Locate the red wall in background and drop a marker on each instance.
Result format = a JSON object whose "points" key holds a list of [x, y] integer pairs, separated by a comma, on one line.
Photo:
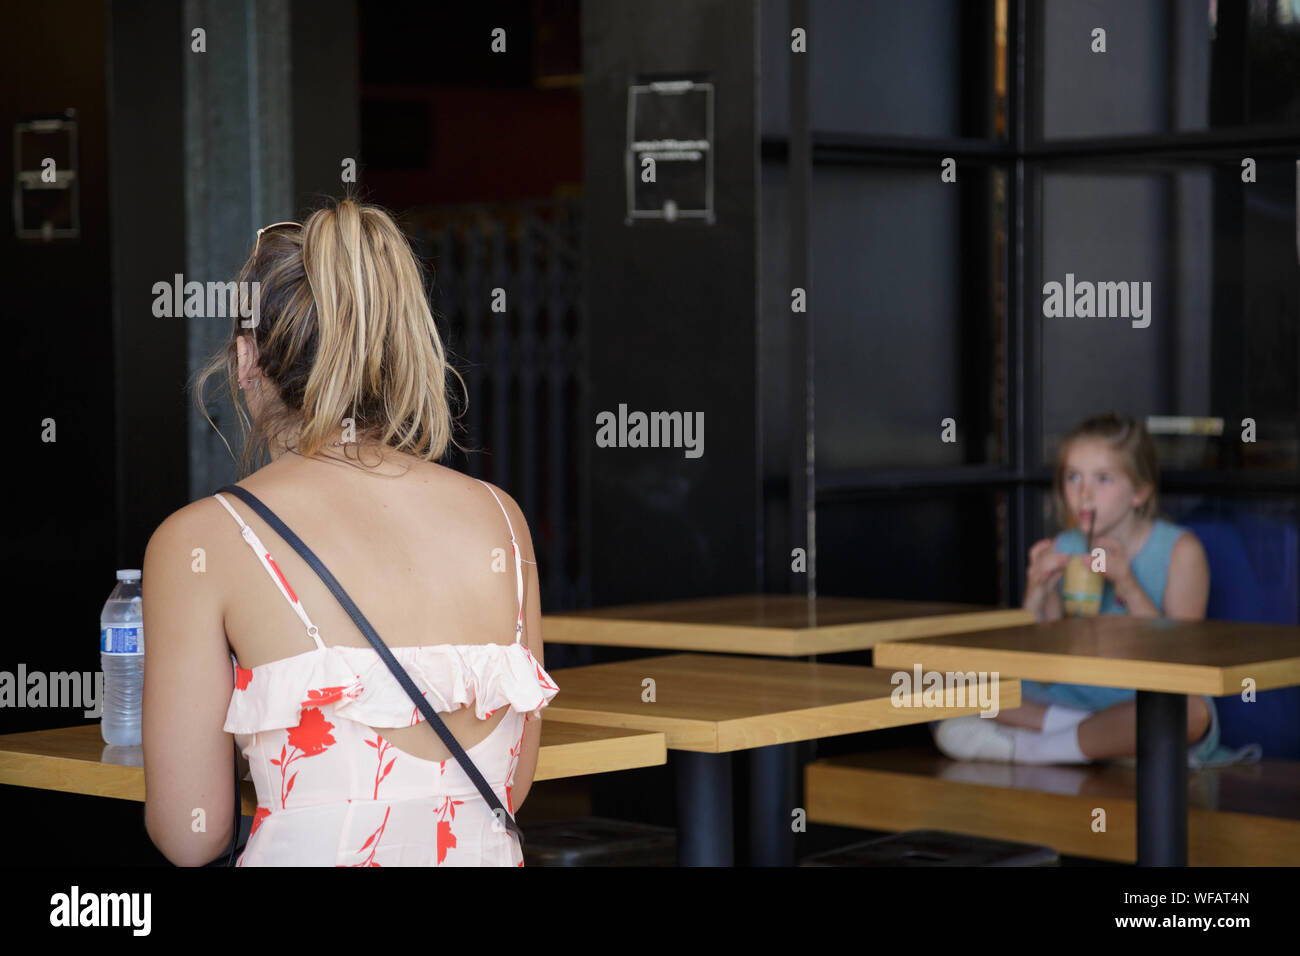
{"points": [[484, 145]]}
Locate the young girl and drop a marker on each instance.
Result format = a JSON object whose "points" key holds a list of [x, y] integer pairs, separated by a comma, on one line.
{"points": [[1105, 473]]}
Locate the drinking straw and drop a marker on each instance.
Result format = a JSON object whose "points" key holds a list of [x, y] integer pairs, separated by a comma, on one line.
{"points": [[1092, 523]]}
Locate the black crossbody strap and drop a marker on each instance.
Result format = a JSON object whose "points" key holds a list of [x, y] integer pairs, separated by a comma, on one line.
{"points": [[267, 515]]}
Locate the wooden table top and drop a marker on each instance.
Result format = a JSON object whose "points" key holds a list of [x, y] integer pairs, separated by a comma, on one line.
{"points": [[1116, 650], [780, 625], [71, 759], [715, 704]]}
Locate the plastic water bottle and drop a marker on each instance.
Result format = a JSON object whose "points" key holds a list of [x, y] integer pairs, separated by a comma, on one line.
{"points": [[121, 654]]}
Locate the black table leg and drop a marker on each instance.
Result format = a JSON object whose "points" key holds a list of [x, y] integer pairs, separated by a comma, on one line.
{"points": [[704, 818], [771, 801], [1161, 779]]}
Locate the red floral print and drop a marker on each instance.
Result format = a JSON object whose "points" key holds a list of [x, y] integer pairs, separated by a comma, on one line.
{"points": [[374, 839], [242, 677], [309, 738], [330, 695], [283, 764], [515, 751], [541, 674], [312, 735], [380, 744], [415, 711], [446, 839], [258, 816]]}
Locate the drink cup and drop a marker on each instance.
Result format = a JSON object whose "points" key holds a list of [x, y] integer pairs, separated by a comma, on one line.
{"points": [[1081, 589]]}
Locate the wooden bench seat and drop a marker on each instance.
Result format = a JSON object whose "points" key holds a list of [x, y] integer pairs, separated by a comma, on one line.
{"points": [[1246, 815]]}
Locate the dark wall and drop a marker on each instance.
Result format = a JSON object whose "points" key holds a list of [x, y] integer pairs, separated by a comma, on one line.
{"points": [[89, 352], [145, 88], [901, 304], [61, 533], [446, 120], [672, 312], [56, 312], [326, 118]]}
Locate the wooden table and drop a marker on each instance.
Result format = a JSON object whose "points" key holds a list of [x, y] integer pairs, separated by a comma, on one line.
{"points": [[1162, 659], [708, 706], [777, 625], [72, 759], [780, 625]]}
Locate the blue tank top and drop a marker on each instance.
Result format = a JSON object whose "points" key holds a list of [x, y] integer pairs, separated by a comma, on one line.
{"points": [[1150, 565], [1151, 568]]}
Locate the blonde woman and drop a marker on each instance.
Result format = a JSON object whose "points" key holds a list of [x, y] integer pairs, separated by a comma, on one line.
{"points": [[344, 379]]}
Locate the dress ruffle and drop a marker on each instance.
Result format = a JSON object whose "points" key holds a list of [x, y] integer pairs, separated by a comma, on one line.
{"points": [[362, 689]]}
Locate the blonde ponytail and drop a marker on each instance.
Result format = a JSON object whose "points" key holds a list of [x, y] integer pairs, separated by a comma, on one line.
{"points": [[345, 332]]}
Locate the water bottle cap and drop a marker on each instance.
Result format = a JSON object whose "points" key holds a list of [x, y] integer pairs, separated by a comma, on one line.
{"points": [[129, 574]]}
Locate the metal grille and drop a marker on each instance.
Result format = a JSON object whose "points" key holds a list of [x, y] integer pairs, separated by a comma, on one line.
{"points": [[506, 288]]}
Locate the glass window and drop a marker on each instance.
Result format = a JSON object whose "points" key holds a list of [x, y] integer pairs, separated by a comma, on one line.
{"points": [[884, 68], [916, 547], [1213, 287], [907, 330], [1181, 66]]}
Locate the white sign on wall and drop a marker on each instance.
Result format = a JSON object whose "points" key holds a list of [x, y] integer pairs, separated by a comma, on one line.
{"points": [[669, 156]]}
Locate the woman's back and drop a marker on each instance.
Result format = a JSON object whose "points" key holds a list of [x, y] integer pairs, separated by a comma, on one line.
{"points": [[426, 555], [343, 347]]}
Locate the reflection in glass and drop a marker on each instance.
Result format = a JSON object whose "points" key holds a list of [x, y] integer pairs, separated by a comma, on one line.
{"points": [[1184, 66], [1225, 292], [907, 301]]}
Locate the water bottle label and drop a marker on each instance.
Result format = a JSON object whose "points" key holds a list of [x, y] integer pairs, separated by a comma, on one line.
{"points": [[121, 640]]}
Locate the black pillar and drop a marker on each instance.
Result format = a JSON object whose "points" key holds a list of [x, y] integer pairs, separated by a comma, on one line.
{"points": [[672, 310]]}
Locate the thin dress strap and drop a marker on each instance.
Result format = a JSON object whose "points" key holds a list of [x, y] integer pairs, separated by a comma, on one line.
{"points": [[519, 568], [254, 542]]}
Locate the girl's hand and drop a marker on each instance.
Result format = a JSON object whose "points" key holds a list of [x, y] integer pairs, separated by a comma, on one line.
{"points": [[1046, 566]]}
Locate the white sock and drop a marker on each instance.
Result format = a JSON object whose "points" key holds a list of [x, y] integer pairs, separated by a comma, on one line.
{"points": [[1061, 746], [973, 738], [1058, 717]]}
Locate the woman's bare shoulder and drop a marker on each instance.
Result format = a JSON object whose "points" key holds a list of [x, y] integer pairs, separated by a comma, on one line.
{"points": [[518, 521]]}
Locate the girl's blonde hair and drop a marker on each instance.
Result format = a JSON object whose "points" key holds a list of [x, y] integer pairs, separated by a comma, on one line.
{"points": [[344, 332], [1129, 438]]}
